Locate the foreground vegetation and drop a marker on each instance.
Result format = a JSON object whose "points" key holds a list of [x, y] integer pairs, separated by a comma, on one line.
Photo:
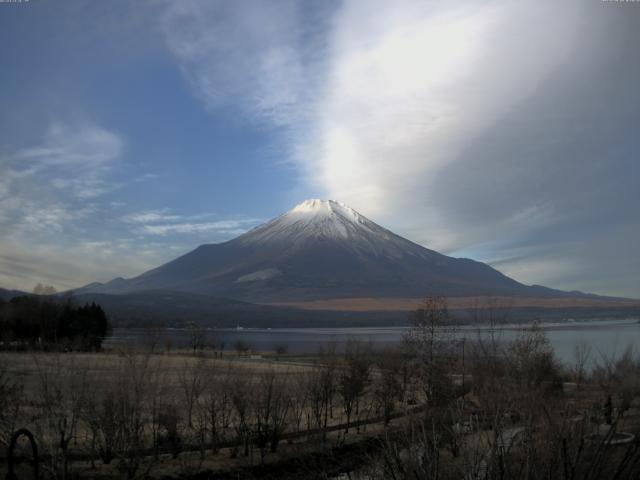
{"points": [[433, 408]]}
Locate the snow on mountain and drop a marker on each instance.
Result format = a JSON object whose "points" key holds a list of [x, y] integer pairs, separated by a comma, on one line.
{"points": [[316, 221], [320, 249], [310, 219]]}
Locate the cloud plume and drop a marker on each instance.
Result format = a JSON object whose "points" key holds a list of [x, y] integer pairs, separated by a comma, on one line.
{"points": [[475, 128]]}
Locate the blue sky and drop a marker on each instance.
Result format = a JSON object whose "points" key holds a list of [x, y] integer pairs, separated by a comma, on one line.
{"points": [[131, 132]]}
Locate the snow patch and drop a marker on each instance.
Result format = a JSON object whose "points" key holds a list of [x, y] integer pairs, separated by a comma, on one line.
{"points": [[259, 275]]}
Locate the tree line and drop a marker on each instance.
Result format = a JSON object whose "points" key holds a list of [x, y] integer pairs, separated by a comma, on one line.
{"points": [[31, 321]]}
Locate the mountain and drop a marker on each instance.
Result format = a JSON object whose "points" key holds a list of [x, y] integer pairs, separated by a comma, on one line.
{"points": [[321, 249], [9, 294]]}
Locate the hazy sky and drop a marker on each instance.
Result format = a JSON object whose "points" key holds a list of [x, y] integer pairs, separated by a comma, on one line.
{"points": [[504, 131]]}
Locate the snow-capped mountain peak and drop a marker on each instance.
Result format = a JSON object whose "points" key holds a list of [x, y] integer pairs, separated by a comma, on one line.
{"points": [[317, 207], [311, 220]]}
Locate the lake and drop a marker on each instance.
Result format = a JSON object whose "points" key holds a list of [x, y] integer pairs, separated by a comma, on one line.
{"points": [[606, 337]]}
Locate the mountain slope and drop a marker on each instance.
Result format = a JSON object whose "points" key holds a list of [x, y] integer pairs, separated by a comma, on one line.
{"points": [[321, 249], [9, 294]]}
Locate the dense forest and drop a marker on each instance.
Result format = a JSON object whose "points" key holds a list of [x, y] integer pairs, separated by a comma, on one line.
{"points": [[29, 321]]}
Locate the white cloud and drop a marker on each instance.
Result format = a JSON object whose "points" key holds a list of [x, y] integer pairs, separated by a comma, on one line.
{"points": [[163, 223], [225, 227], [70, 265], [540, 268], [153, 216], [252, 56], [44, 202], [409, 112], [79, 146], [50, 218], [411, 84], [386, 96], [70, 164]]}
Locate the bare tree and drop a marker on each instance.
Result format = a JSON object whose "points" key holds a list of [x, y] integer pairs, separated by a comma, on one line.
{"points": [[242, 347], [387, 386], [298, 399], [157, 387], [426, 338], [132, 390], [100, 415], [153, 337], [412, 453], [531, 357], [429, 343], [191, 381], [197, 337], [61, 392], [270, 408], [216, 404], [353, 378], [280, 350], [581, 355], [240, 399], [322, 386]]}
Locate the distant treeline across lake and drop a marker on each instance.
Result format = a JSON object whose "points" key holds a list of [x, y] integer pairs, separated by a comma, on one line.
{"points": [[605, 337]]}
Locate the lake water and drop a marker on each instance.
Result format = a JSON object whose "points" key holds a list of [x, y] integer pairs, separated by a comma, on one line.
{"points": [[606, 337]]}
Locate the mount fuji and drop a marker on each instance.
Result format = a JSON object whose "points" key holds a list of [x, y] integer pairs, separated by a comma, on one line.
{"points": [[321, 250]]}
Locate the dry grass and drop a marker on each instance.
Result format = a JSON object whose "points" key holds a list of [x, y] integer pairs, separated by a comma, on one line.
{"points": [[90, 375], [166, 382], [410, 304]]}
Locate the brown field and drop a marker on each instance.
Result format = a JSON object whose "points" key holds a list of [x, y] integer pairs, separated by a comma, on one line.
{"points": [[73, 386], [185, 414], [409, 304]]}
